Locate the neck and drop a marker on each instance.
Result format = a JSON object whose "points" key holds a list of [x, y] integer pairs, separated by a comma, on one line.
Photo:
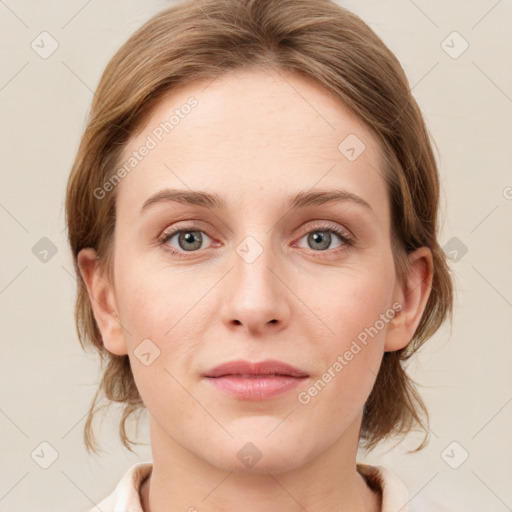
{"points": [[181, 481]]}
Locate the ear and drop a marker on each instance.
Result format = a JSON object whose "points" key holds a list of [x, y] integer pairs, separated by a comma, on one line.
{"points": [[101, 296], [412, 295]]}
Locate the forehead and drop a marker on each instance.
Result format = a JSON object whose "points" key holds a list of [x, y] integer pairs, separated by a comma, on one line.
{"points": [[252, 130]]}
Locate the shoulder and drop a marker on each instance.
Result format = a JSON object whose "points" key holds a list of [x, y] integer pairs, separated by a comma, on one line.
{"points": [[125, 497]]}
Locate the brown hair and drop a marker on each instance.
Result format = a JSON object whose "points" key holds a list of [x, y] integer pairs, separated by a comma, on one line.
{"points": [[201, 39]]}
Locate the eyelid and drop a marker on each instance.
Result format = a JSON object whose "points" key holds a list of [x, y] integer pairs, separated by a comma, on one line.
{"points": [[326, 225]]}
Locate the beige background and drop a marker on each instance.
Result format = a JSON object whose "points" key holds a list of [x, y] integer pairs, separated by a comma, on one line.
{"points": [[47, 381]]}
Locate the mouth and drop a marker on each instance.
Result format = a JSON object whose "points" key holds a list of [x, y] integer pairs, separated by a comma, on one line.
{"points": [[247, 369], [255, 381], [251, 376]]}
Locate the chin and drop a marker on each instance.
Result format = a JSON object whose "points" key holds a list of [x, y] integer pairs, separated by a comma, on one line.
{"points": [[259, 455]]}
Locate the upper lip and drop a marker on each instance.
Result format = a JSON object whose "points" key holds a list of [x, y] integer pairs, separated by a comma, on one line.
{"points": [[268, 367]]}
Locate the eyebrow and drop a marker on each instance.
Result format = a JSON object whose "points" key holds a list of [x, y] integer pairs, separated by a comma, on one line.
{"points": [[214, 201]]}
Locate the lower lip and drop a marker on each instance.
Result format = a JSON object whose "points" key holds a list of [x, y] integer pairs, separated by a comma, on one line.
{"points": [[255, 388]]}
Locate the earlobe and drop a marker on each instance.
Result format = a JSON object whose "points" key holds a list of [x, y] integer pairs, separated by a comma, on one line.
{"points": [[412, 295], [101, 297]]}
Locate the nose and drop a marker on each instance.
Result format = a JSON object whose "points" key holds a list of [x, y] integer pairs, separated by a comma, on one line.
{"points": [[256, 296]]}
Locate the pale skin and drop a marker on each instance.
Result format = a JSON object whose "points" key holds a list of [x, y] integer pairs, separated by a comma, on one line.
{"points": [[254, 140]]}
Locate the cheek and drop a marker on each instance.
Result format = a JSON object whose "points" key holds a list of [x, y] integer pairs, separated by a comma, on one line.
{"points": [[357, 308], [357, 299], [350, 358], [148, 304], [159, 318], [160, 344]]}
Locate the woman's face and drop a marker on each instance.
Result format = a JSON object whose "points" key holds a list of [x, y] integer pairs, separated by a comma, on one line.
{"points": [[268, 270]]}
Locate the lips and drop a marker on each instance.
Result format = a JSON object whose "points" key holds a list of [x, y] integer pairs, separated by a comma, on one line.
{"points": [[268, 368], [246, 381]]}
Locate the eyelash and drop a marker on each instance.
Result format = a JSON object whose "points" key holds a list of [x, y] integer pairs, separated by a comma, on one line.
{"points": [[347, 240]]}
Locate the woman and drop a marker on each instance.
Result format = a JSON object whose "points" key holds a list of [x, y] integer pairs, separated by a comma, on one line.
{"points": [[252, 214]]}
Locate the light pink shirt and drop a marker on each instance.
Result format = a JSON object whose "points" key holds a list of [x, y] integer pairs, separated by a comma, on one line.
{"points": [[126, 497]]}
